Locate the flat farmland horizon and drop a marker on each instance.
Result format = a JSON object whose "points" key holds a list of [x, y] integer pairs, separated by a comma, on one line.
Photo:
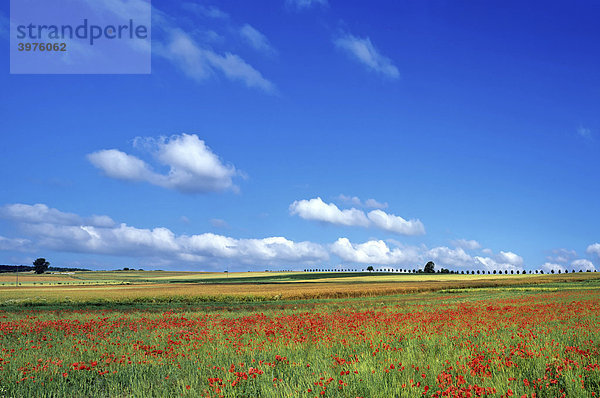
{"points": [[148, 286]]}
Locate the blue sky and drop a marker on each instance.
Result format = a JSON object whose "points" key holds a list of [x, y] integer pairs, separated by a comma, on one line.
{"points": [[265, 128]]}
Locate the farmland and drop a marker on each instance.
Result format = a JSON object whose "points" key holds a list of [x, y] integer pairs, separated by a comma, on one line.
{"points": [[158, 286], [300, 335]]}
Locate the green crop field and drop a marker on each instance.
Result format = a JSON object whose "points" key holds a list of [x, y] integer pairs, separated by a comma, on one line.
{"points": [[139, 334], [532, 337]]}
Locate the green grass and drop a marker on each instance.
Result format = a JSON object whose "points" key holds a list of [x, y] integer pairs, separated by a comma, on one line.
{"points": [[494, 338]]}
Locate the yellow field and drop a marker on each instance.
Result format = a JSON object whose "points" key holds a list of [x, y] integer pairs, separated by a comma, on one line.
{"points": [[30, 277], [122, 286]]}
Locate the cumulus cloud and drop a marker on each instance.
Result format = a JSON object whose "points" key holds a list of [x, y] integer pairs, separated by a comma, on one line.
{"points": [[317, 210], [549, 267], [377, 252], [355, 201], [583, 264], [491, 264], [373, 252], [304, 4], [395, 224], [450, 257], [74, 234], [363, 51], [256, 39], [593, 249], [466, 244], [510, 258], [193, 167], [117, 164]]}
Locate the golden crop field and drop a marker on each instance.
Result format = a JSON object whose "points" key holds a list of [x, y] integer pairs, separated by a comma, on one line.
{"points": [[122, 286]]}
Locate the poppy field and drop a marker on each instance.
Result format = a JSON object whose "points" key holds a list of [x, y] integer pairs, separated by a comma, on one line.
{"points": [[480, 343]]}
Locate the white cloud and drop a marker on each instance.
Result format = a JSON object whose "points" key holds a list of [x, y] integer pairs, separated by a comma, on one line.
{"points": [[593, 249], [193, 167], [378, 252], [395, 224], [317, 210], [548, 267], [200, 63], [491, 264], [37, 213], [583, 264], [466, 244], [373, 204], [374, 252], [363, 51], [305, 4], [40, 213], [445, 257], [257, 40], [207, 11], [355, 201], [117, 164], [235, 68], [562, 256], [14, 244], [510, 258], [123, 240]]}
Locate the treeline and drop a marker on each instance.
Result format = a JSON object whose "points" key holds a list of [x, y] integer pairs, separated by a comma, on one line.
{"points": [[446, 271], [25, 268]]}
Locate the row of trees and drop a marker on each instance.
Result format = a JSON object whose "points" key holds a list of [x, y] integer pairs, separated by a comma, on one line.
{"points": [[430, 269]]}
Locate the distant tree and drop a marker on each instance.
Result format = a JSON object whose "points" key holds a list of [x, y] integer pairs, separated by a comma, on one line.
{"points": [[370, 268], [541, 271], [41, 265], [429, 267], [494, 272], [477, 272], [552, 271]]}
